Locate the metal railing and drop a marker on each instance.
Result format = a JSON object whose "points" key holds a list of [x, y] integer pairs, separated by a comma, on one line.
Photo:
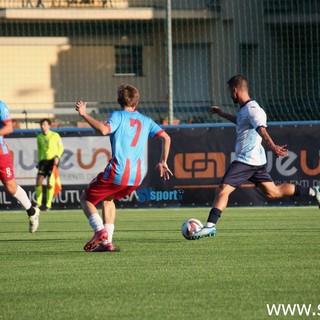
{"points": [[214, 5]]}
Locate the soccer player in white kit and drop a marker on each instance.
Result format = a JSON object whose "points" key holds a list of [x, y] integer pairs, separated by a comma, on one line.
{"points": [[250, 161]]}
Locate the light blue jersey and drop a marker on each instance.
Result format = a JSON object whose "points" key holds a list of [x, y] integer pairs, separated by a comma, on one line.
{"points": [[129, 134], [248, 148], [4, 117]]}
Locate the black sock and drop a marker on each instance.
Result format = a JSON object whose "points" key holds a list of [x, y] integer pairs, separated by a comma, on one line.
{"points": [[214, 215], [31, 211], [301, 191]]}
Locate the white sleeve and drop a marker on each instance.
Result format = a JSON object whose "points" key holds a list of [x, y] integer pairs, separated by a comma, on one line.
{"points": [[258, 117]]}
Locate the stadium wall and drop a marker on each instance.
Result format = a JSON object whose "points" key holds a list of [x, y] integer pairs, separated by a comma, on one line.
{"points": [[199, 157]]}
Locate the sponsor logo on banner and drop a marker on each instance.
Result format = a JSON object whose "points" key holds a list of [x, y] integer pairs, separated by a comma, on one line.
{"points": [[199, 165], [150, 195], [309, 171]]}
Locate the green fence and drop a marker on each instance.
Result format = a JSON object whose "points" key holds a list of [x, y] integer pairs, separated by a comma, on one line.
{"points": [[54, 53]]}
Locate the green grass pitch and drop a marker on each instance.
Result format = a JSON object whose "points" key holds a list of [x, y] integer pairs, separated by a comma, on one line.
{"points": [[260, 256]]}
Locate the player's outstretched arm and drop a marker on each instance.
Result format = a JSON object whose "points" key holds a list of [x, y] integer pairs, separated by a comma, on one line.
{"points": [[162, 166], [81, 107], [217, 110], [280, 151]]}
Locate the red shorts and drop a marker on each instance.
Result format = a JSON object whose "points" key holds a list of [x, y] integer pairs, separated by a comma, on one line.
{"points": [[100, 189], [6, 168]]}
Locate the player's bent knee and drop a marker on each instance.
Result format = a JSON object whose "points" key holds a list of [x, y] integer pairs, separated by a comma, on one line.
{"points": [[224, 190]]}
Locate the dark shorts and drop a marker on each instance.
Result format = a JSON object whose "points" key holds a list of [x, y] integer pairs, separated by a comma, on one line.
{"points": [[239, 172], [100, 189], [45, 167]]}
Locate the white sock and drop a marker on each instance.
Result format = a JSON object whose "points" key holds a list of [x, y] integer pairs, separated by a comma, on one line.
{"points": [[110, 229], [22, 197], [96, 222], [210, 224], [312, 193]]}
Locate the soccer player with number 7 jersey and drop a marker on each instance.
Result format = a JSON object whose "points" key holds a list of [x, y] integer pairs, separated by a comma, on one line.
{"points": [[129, 131]]}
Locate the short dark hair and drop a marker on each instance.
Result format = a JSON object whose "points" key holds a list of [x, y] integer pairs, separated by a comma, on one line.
{"points": [[45, 120], [128, 95], [238, 81]]}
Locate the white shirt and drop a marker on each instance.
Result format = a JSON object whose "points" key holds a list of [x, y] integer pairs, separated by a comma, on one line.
{"points": [[248, 148]]}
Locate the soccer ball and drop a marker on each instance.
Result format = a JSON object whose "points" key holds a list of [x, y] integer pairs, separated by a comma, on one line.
{"points": [[190, 226]]}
